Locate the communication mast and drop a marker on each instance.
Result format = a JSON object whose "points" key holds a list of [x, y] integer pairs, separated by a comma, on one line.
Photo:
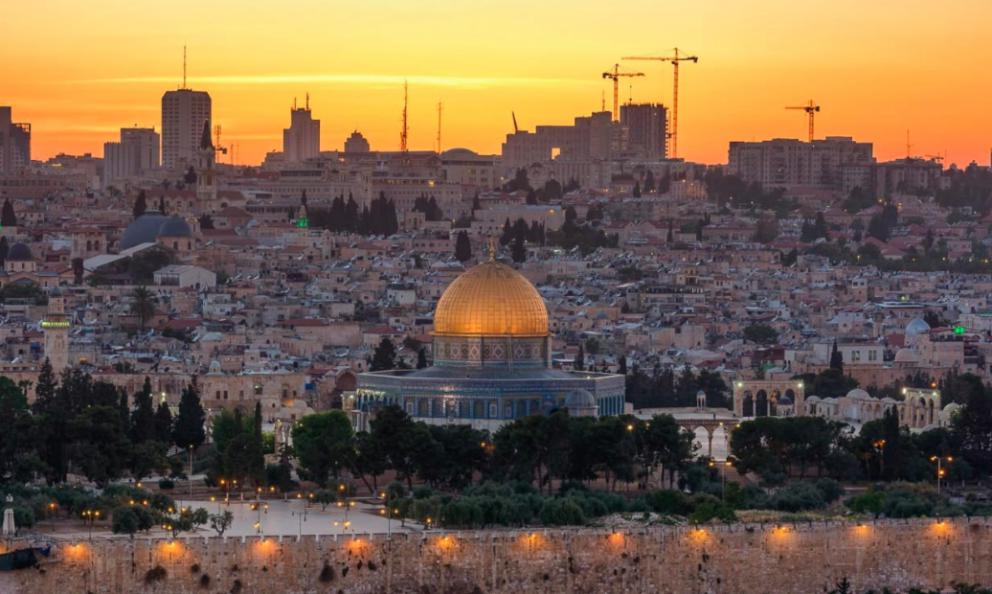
{"points": [[403, 132], [439, 109]]}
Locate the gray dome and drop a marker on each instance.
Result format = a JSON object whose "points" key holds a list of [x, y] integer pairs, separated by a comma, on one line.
{"points": [[143, 229], [152, 225], [175, 227], [917, 327], [580, 399], [19, 252]]}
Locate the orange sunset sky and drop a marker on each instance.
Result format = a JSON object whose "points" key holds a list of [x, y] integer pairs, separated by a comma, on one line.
{"points": [[79, 70]]}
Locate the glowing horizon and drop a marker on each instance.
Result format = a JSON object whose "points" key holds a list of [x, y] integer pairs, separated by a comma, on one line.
{"points": [[79, 74]]}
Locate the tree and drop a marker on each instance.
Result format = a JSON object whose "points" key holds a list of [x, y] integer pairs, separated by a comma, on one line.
{"points": [[636, 192], [580, 359], [4, 248], [7, 216], [188, 431], [220, 522], [422, 358], [384, 357], [142, 305], [395, 433], [836, 358], [973, 426], [163, 423], [143, 415], [140, 204], [463, 247], [125, 521], [766, 230], [761, 334], [323, 444], [19, 458], [518, 251]]}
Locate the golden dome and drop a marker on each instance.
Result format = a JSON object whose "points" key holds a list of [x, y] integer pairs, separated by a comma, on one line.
{"points": [[491, 299]]}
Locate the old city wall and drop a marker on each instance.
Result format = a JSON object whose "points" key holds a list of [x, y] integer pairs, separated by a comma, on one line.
{"points": [[791, 558]]}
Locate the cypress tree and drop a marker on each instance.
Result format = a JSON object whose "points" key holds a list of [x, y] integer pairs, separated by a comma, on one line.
{"points": [[140, 204], [143, 416], [188, 430], [7, 216], [463, 247]]}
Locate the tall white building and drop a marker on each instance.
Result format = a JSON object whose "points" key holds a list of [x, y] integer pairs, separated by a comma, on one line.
{"points": [[136, 153], [15, 142], [301, 141], [183, 113]]}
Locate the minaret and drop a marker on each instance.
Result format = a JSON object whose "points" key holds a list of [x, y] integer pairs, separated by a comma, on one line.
{"points": [[56, 328], [206, 189]]}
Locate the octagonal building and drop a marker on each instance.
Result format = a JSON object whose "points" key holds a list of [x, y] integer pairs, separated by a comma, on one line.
{"points": [[492, 362]]}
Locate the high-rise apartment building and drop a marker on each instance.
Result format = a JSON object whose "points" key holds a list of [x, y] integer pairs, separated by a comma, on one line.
{"points": [[835, 162], [647, 129], [301, 141], [15, 142], [135, 154], [183, 114]]}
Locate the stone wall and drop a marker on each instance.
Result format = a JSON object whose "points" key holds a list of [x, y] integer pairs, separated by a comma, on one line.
{"points": [[739, 559]]}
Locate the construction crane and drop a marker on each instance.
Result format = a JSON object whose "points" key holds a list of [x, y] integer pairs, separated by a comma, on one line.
{"points": [[217, 145], [403, 132], [811, 108], [675, 59], [615, 76]]}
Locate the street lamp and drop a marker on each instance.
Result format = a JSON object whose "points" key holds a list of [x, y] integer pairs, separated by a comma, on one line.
{"points": [[879, 445], [723, 475], [941, 471]]}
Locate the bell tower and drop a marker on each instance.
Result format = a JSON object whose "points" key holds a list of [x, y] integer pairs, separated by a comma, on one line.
{"points": [[56, 327], [206, 188]]}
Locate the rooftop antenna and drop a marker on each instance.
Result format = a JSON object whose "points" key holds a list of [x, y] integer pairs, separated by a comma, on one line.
{"points": [[403, 132], [439, 108], [184, 66], [308, 100], [294, 103], [602, 101], [909, 146]]}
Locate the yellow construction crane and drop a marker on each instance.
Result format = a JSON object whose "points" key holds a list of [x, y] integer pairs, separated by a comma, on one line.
{"points": [[811, 108], [615, 76], [217, 146], [675, 59]]}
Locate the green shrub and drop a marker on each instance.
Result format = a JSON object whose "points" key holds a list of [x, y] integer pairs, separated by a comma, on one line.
{"points": [[669, 501], [562, 512]]}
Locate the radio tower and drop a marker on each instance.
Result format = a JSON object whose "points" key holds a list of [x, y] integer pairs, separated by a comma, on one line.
{"points": [[403, 132], [439, 108]]}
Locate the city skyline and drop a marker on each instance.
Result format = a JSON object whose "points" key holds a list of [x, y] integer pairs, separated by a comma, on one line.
{"points": [[898, 68]]}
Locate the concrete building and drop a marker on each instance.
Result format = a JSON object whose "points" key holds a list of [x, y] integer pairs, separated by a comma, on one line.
{"points": [[301, 141], [183, 113], [836, 162], [15, 142], [184, 275], [135, 154], [591, 137], [356, 144], [647, 129]]}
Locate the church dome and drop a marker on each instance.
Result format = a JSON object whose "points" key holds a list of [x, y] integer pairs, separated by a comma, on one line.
{"points": [[175, 227], [491, 299], [152, 225], [19, 252], [916, 327], [143, 229]]}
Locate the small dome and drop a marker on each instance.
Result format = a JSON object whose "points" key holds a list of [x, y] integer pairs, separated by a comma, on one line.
{"points": [[175, 227], [580, 399], [916, 327], [784, 400], [491, 299], [19, 252], [858, 394]]}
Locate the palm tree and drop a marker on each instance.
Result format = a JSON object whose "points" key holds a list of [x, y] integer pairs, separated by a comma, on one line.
{"points": [[143, 305]]}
